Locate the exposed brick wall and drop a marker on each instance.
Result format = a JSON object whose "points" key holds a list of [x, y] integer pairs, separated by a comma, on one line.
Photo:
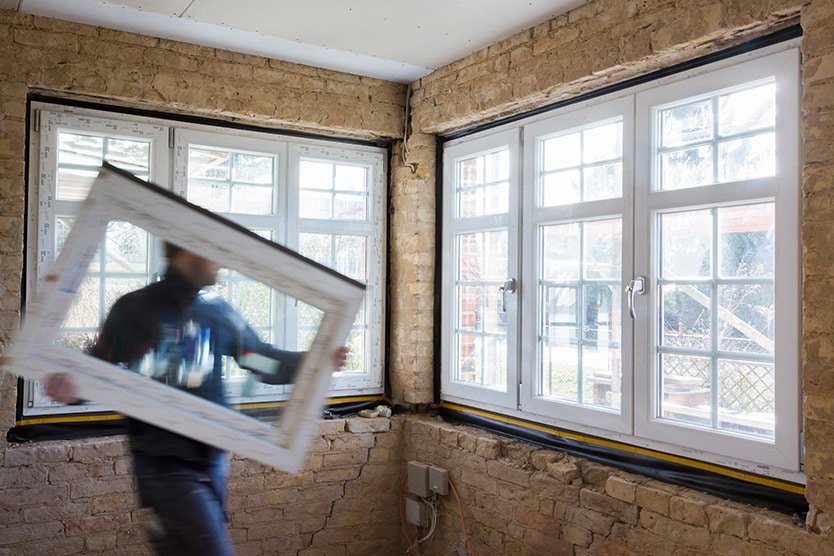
{"points": [[72, 497], [64, 497], [411, 253], [520, 499], [599, 43], [818, 250]]}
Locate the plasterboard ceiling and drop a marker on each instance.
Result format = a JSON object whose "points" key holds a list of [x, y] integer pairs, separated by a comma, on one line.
{"points": [[397, 40]]}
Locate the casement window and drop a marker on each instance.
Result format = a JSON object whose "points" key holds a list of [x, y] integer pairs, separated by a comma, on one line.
{"points": [[628, 266], [324, 199]]}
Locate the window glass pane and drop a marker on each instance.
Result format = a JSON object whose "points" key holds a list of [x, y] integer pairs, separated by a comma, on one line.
{"points": [[497, 166], [80, 149], [133, 156], [213, 196], [748, 158], [356, 358], [250, 168], [80, 155], [252, 199], [351, 256], [254, 301], [482, 186], [747, 110], [686, 244], [222, 180], [561, 188], [471, 202], [581, 323], [315, 175], [603, 249], [746, 318], [348, 206], [686, 168], [562, 152], [584, 165], [85, 309], [560, 252], [686, 315], [603, 182], [316, 247], [558, 346], [315, 204], [685, 383], [481, 324], [746, 397], [689, 123], [747, 240], [351, 178], [208, 164], [603, 142], [601, 355], [126, 249], [496, 198]]}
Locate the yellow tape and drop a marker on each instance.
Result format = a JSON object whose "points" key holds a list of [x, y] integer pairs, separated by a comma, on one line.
{"points": [[115, 417], [704, 466]]}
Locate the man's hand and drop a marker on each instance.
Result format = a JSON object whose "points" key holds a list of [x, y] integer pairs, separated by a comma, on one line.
{"points": [[61, 388], [340, 357]]}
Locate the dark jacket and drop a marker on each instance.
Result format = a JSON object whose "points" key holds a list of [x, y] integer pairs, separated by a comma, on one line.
{"points": [[141, 319]]}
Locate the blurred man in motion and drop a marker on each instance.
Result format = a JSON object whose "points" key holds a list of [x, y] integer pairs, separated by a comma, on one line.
{"points": [[174, 333]]}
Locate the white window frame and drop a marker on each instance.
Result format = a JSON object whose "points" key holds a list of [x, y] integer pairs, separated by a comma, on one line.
{"points": [[452, 227], [44, 206], [780, 459], [535, 216], [783, 188], [169, 169], [372, 228]]}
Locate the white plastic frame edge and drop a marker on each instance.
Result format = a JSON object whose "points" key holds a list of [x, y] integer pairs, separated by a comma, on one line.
{"points": [[117, 195]]}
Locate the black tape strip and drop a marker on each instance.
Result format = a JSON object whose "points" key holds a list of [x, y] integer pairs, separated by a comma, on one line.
{"points": [[666, 471]]}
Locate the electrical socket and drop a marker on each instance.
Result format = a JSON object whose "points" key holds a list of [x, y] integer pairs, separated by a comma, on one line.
{"points": [[416, 511], [418, 478], [439, 480]]}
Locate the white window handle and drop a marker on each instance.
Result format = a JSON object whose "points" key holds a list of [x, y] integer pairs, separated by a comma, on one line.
{"points": [[635, 287], [507, 287]]}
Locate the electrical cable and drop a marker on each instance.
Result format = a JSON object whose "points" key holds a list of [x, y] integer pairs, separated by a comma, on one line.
{"points": [[462, 522], [402, 512], [404, 150]]}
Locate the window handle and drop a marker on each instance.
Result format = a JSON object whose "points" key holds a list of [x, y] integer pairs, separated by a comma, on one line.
{"points": [[635, 287], [508, 287]]}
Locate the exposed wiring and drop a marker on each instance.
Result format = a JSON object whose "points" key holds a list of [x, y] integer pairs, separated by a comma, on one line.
{"points": [[404, 150], [402, 512], [432, 503], [462, 522]]}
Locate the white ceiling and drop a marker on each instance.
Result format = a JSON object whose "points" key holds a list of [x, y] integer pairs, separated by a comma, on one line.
{"points": [[397, 40]]}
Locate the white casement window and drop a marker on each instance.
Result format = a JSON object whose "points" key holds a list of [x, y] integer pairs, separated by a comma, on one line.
{"points": [[658, 295], [271, 184], [480, 266], [576, 342]]}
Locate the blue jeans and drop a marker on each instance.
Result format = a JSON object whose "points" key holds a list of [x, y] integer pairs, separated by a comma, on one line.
{"points": [[189, 503]]}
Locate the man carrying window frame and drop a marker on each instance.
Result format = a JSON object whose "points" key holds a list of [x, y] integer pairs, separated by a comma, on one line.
{"points": [[172, 332]]}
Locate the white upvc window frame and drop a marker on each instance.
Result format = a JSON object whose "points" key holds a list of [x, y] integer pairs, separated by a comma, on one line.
{"points": [[44, 207], [565, 120], [783, 188], [454, 152], [372, 228], [781, 459], [169, 170]]}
